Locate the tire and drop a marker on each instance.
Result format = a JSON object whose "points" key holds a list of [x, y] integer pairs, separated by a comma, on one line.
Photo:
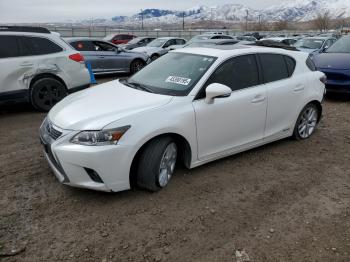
{"points": [[136, 66], [154, 57], [307, 122], [156, 164], [46, 92]]}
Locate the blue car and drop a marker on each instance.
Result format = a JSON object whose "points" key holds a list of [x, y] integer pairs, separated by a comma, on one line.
{"points": [[335, 63]]}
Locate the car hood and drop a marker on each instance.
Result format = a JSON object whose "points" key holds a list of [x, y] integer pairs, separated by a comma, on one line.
{"points": [[96, 107], [338, 61], [147, 49]]}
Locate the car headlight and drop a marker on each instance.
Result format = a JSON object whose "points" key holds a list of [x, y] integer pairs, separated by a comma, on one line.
{"points": [[99, 138]]}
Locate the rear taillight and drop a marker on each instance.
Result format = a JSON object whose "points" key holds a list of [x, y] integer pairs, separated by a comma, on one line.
{"points": [[323, 79], [77, 58]]}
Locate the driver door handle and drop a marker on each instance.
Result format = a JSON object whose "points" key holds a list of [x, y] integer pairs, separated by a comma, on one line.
{"points": [[27, 63], [258, 99], [101, 57]]}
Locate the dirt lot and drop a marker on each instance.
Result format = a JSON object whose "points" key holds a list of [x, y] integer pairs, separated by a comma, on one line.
{"points": [[288, 201]]}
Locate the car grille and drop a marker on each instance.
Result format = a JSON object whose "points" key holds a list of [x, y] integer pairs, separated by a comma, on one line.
{"points": [[53, 133]]}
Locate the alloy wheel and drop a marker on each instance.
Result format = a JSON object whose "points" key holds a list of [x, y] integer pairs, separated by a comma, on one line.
{"points": [[167, 164], [307, 122]]}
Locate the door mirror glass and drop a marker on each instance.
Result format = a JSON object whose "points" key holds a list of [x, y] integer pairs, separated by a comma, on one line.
{"points": [[216, 90]]}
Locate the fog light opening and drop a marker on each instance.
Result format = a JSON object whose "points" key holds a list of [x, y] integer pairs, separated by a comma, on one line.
{"points": [[93, 175]]}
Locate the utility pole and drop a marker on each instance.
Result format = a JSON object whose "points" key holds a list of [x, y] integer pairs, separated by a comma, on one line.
{"points": [[259, 22], [246, 21], [183, 20], [141, 19]]}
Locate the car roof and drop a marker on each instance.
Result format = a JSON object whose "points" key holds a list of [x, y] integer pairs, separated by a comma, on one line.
{"points": [[73, 39], [169, 37], [143, 37], [225, 51], [28, 33], [318, 37]]}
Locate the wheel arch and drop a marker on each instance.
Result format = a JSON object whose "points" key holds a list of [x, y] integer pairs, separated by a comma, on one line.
{"points": [[136, 59], [184, 152], [319, 107], [46, 75]]}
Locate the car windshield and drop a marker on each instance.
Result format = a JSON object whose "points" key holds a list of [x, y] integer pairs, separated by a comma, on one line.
{"points": [[198, 38], [172, 74], [157, 42], [135, 40], [108, 37], [199, 44], [309, 43], [340, 46]]}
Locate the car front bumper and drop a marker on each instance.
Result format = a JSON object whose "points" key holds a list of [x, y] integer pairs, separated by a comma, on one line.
{"points": [[103, 168]]}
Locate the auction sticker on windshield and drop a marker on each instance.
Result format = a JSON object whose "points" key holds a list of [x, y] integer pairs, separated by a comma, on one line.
{"points": [[178, 80]]}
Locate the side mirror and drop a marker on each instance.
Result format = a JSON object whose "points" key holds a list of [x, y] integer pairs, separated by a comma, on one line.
{"points": [[324, 49], [216, 90]]}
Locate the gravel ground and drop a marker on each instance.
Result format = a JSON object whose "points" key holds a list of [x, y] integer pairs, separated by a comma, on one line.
{"points": [[287, 201]]}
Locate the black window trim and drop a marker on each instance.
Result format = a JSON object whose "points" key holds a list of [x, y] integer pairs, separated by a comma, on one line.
{"points": [[49, 39], [106, 43], [262, 69], [260, 75], [19, 51]]}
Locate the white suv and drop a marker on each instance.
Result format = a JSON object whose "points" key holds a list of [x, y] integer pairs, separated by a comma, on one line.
{"points": [[37, 66], [193, 105]]}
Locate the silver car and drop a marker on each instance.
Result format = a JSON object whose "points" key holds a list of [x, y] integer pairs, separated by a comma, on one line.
{"points": [[200, 38], [106, 58], [160, 46], [314, 44]]}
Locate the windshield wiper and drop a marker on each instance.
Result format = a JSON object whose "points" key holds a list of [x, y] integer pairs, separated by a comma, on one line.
{"points": [[137, 86]]}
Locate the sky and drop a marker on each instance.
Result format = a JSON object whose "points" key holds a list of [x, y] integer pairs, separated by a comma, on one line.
{"points": [[26, 11]]}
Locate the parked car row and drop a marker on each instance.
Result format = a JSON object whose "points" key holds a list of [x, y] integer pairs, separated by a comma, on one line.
{"points": [[191, 100], [39, 67]]}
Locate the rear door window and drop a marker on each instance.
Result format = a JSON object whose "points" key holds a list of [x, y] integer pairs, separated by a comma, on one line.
{"points": [[9, 46], [274, 67], [83, 46], [180, 42], [290, 62], [42, 46]]}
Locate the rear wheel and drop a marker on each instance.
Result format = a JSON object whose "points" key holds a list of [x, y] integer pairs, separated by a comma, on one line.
{"points": [[154, 57], [307, 122], [136, 66], [46, 92], [157, 164]]}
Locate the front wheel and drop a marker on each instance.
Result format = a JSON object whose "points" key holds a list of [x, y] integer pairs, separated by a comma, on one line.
{"points": [[154, 57], [46, 92], [157, 164], [136, 66], [307, 122]]}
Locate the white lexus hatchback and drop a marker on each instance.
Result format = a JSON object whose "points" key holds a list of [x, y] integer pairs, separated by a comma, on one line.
{"points": [[192, 105]]}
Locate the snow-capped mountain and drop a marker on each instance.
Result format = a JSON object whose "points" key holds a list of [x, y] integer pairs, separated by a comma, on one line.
{"points": [[305, 10], [292, 10]]}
